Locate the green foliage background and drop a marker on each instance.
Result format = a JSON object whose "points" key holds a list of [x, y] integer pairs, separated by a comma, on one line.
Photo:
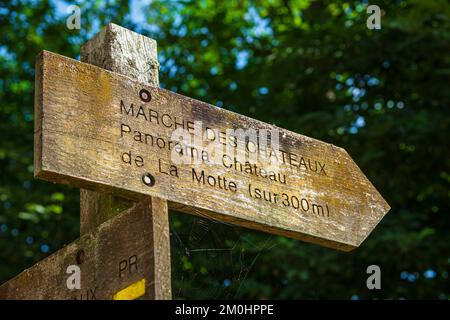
{"points": [[312, 67]]}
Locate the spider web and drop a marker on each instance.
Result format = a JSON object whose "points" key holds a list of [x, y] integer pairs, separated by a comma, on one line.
{"points": [[214, 260]]}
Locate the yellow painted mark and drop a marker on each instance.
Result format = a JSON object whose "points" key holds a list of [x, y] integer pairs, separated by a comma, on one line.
{"points": [[133, 291]]}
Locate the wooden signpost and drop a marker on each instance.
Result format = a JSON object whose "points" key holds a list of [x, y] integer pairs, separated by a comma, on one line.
{"points": [[131, 54], [120, 50], [118, 136], [116, 262]]}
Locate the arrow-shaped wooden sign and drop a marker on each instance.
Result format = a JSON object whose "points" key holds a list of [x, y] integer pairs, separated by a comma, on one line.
{"points": [[100, 130]]}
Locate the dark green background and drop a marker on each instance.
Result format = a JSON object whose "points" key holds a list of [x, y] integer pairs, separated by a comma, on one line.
{"points": [[312, 67]]}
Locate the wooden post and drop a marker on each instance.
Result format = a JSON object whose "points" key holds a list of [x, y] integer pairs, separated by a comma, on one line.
{"points": [[123, 51]]}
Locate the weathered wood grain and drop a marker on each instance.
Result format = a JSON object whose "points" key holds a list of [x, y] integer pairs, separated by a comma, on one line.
{"points": [[125, 52], [97, 207], [116, 255], [82, 138]]}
